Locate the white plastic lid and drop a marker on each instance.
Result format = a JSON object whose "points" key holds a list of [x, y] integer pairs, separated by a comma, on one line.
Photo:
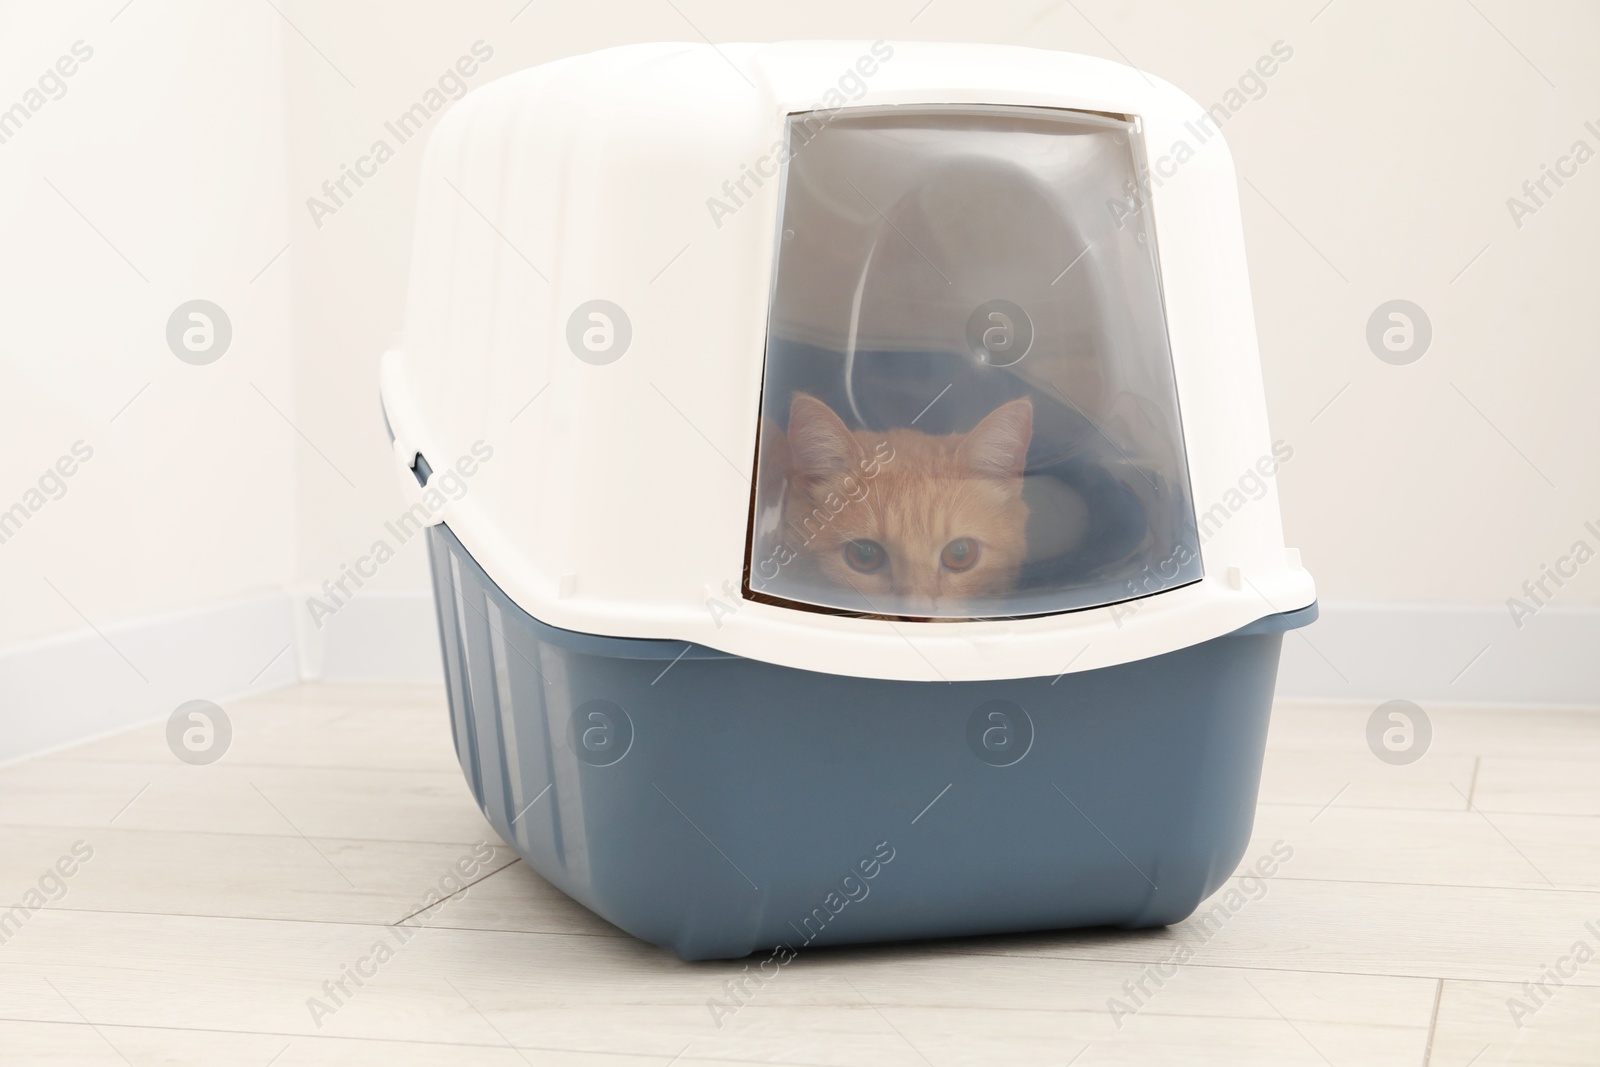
{"points": [[639, 494]]}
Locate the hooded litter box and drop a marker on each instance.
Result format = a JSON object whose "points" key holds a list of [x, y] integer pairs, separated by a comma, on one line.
{"points": [[848, 488]]}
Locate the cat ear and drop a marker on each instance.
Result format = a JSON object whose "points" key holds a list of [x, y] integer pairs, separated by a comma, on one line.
{"points": [[819, 441], [998, 446]]}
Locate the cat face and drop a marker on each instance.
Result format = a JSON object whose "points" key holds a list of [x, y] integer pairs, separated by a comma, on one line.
{"points": [[938, 522]]}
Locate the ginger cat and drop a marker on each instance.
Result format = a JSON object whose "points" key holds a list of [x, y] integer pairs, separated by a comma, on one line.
{"points": [[915, 523]]}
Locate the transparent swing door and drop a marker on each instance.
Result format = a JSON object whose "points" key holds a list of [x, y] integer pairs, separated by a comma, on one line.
{"points": [[968, 407]]}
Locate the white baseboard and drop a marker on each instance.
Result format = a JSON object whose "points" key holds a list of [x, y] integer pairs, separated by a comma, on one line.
{"points": [[70, 688], [379, 636], [1468, 654]]}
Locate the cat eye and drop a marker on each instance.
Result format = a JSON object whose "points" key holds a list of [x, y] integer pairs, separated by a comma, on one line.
{"points": [[864, 556], [959, 554]]}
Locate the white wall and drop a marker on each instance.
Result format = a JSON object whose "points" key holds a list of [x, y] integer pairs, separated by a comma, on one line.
{"points": [[158, 177]]}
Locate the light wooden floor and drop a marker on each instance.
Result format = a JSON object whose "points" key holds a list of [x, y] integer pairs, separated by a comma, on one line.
{"points": [[220, 898]]}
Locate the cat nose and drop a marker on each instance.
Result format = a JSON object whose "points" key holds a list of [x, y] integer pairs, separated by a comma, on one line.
{"points": [[919, 605]]}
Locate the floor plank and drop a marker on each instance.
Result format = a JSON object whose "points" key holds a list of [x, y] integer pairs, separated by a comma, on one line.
{"points": [[1562, 1030], [257, 876], [1423, 847], [353, 803]]}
